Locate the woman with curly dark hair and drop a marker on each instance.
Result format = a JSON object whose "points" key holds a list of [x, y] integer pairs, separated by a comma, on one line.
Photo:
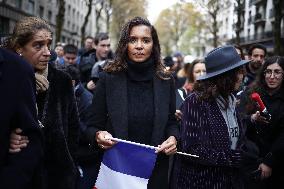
{"points": [[135, 98], [210, 126], [267, 134]]}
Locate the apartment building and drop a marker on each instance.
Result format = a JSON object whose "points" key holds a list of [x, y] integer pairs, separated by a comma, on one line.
{"points": [[75, 11]]}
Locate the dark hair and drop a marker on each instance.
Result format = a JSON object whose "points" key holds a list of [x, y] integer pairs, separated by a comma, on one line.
{"points": [[89, 37], [24, 31], [168, 61], [119, 63], [257, 46], [73, 72], [190, 76], [241, 50], [260, 83], [70, 49], [100, 37], [223, 84]]}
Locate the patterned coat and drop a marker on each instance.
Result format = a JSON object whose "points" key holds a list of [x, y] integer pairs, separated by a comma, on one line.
{"points": [[204, 132]]}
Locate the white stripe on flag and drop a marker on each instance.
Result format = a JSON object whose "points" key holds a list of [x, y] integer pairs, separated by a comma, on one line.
{"points": [[126, 166], [118, 180]]}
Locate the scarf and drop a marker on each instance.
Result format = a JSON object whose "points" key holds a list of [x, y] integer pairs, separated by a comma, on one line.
{"points": [[42, 83]]}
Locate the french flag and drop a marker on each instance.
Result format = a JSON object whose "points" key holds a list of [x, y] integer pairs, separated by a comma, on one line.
{"points": [[126, 166]]}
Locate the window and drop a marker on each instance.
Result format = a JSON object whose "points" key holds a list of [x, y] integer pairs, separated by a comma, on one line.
{"points": [[69, 10], [4, 26], [41, 11], [49, 16], [18, 4], [31, 7]]}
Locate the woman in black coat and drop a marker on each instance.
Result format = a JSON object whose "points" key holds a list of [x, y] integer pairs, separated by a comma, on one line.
{"points": [[18, 109], [266, 134], [135, 99], [56, 105]]}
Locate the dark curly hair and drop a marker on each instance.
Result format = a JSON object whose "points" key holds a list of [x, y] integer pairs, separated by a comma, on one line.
{"points": [[119, 63], [223, 84]]}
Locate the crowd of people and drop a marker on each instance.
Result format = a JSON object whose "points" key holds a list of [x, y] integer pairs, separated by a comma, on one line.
{"points": [[60, 108]]}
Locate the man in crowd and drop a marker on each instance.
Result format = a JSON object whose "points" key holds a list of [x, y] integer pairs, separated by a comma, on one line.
{"points": [[101, 52], [69, 56], [88, 45], [257, 53]]}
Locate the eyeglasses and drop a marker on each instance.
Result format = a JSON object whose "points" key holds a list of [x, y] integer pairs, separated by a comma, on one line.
{"points": [[277, 73]]}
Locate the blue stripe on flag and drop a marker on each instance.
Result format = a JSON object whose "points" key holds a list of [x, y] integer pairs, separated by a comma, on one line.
{"points": [[130, 159]]}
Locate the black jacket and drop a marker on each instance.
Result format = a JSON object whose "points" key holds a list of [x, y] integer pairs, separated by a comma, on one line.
{"points": [[18, 110], [109, 112], [87, 61], [61, 130], [269, 138]]}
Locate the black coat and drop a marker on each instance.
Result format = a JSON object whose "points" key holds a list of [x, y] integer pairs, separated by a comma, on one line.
{"points": [[109, 112], [18, 110], [87, 61], [269, 138], [61, 130]]}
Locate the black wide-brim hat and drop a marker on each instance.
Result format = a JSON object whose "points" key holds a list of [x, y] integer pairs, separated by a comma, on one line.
{"points": [[221, 60]]}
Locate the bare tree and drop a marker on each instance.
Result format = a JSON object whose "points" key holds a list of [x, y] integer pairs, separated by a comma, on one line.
{"points": [[89, 3], [59, 20], [123, 11], [239, 8], [98, 10], [108, 12], [278, 46], [213, 8]]}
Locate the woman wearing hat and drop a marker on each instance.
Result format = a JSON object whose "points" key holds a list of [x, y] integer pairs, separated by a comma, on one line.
{"points": [[211, 128]]}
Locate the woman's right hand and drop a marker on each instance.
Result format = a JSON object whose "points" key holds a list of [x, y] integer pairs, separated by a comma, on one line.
{"points": [[256, 117], [178, 115], [91, 85], [17, 141], [103, 139]]}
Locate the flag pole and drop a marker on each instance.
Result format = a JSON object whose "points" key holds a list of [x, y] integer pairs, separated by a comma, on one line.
{"points": [[148, 146]]}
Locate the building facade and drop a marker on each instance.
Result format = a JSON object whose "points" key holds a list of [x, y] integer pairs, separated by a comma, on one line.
{"points": [[257, 24], [257, 19], [75, 11]]}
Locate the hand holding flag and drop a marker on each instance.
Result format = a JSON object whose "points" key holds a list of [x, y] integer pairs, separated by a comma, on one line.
{"points": [[103, 139], [169, 146], [129, 165]]}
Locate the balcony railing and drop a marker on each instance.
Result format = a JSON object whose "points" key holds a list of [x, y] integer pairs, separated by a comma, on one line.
{"points": [[259, 18], [254, 2]]}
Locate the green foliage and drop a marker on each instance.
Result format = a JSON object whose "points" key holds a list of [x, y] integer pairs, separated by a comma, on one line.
{"points": [[177, 27]]}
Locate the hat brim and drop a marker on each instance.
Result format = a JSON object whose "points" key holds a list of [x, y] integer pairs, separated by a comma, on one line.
{"points": [[209, 75]]}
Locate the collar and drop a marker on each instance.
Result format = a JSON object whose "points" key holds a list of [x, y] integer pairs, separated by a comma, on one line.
{"points": [[142, 71]]}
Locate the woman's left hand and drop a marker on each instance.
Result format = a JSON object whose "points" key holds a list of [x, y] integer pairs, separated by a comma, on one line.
{"points": [[169, 146], [266, 171]]}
